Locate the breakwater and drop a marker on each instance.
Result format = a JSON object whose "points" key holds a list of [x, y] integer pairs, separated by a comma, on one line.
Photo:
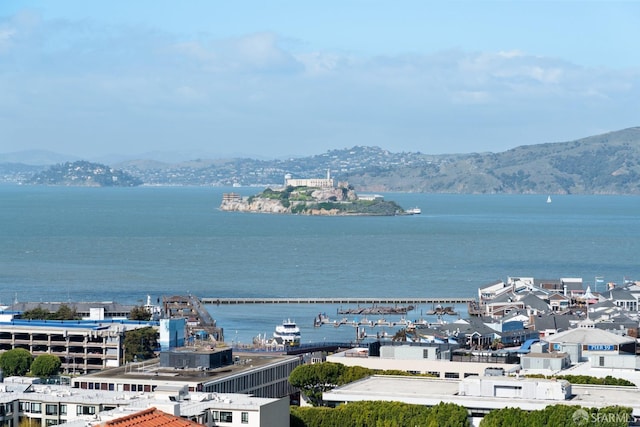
{"points": [[336, 300]]}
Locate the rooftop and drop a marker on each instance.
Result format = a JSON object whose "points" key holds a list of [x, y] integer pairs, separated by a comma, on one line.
{"points": [[151, 369], [428, 391]]}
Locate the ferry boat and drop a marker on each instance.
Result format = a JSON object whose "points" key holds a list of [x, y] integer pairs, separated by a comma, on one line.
{"points": [[414, 211], [288, 333]]}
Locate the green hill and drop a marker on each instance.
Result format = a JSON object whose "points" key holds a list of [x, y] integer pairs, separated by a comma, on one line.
{"points": [[602, 164]]}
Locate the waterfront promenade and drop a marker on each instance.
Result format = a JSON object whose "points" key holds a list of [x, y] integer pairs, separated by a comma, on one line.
{"points": [[335, 300]]}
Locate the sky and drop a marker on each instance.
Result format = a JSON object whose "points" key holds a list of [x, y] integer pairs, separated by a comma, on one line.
{"points": [[276, 79]]}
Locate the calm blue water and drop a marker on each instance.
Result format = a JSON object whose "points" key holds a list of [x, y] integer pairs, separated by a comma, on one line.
{"points": [[105, 244]]}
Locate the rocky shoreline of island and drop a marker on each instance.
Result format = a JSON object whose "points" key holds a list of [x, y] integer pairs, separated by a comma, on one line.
{"points": [[306, 200]]}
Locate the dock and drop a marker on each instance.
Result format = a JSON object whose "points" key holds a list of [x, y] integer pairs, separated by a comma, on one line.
{"points": [[349, 300]]}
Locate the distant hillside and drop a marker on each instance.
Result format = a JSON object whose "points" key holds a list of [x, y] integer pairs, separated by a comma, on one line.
{"points": [[602, 164]]}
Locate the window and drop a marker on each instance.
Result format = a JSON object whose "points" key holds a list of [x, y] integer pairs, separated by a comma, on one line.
{"points": [[36, 408], [51, 409], [226, 417], [215, 416], [85, 410], [244, 417], [63, 409], [24, 406], [51, 422], [452, 375]]}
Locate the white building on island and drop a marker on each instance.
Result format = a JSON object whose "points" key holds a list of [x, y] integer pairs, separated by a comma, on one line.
{"points": [[310, 182]]}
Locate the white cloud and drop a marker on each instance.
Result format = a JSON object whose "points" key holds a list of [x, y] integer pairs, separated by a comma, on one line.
{"points": [[252, 89]]}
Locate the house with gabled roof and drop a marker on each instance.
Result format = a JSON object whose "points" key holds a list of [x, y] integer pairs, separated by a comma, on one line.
{"points": [[559, 302], [534, 304], [621, 297], [551, 324]]}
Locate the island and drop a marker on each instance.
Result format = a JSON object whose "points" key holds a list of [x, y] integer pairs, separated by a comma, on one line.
{"points": [[85, 174], [316, 196]]}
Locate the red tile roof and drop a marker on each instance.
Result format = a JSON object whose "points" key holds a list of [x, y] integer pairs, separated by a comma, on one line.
{"points": [[151, 417]]}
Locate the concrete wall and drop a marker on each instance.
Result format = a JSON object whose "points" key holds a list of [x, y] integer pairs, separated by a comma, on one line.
{"points": [[619, 361], [515, 388], [574, 351], [551, 363], [275, 414]]}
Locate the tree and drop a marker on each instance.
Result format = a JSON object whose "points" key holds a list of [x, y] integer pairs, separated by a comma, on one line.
{"points": [[37, 313], [316, 378], [15, 362], [65, 312], [45, 365], [139, 313], [140, 344], [380, 413]]}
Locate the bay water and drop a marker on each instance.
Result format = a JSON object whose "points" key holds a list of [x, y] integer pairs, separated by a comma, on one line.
{"points": [[122, 244]]}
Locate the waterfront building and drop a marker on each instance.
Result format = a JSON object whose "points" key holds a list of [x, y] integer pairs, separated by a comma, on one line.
{"points": [[420, 362], [258, 374], [601, 348], [82, 345], [371, 197], [85, 310]]}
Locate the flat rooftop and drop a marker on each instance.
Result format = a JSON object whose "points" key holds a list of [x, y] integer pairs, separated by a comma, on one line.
{"points": [[429, 391], [151, 369]]}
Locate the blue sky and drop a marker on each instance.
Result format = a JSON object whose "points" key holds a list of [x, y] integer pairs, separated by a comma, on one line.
{"points": [[291, 78]]}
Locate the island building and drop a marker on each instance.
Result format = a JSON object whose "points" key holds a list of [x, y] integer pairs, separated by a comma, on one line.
{"points": [[309, 182], [24, 401]]}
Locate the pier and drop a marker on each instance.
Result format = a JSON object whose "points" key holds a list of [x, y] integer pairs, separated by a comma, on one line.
{"points": [[348, 300]]}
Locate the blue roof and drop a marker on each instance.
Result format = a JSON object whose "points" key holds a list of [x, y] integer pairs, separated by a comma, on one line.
{"points": [[85, 324], [526, 347]]}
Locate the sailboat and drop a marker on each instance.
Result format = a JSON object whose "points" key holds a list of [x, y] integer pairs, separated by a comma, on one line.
{"points": [[548, 199]]}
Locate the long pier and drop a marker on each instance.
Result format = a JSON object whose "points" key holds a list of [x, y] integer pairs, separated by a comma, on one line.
{"points": [[347, 300]]}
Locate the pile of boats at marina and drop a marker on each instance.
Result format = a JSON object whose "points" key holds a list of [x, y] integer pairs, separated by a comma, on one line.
{"points": [[288, 335]]}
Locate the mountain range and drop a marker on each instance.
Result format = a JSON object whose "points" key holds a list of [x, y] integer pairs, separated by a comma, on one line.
{"points": [[602, 164]]}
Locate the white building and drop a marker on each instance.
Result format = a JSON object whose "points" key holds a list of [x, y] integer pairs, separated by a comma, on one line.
{"points": [[515, 388], [602, 348], [420, 362], [310, 182], [51, 405], [82, 346]]}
